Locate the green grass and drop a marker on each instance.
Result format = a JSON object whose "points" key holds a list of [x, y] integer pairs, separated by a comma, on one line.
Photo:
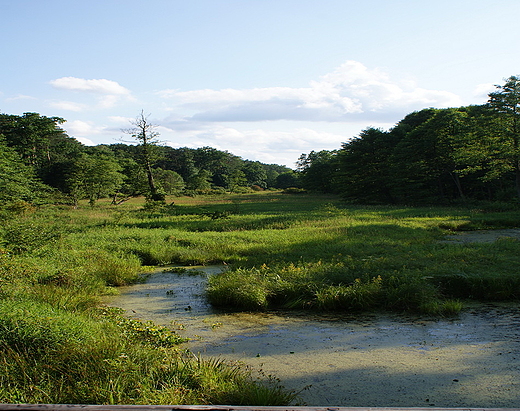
{"points": [[283, 251]]}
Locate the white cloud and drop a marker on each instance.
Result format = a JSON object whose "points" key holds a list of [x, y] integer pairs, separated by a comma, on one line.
{"points": [[120, 119], [85, 141], [99, 86], [279, 147], [78, 128], [482, 90], [352, 92], [20, 97], [109, 92]]}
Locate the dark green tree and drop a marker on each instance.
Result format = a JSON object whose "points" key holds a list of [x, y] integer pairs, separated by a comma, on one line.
{"points": [[169, 181], [236, 180], [423, 165], [505, 102], [218, 163], [180, 160], [254, 173], [17, 180], [365, 167], [42, 144], [95, 175], [200, 182], [286, 180], [318, 170], [31, 135]]}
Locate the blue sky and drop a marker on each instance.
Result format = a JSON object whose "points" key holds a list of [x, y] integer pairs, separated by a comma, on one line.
{"points": [[266, 80]]}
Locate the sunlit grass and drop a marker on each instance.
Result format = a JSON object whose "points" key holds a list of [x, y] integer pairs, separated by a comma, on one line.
{"points": [[291, 251]]}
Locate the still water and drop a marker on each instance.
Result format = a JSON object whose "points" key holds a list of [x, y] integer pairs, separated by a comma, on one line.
{"points": [[472, 360]]}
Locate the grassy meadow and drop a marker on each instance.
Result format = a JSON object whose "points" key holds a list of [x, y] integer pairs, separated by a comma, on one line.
{"points": [[58, 344]]}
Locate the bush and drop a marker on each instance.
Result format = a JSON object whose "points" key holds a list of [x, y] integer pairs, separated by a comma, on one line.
{"points": [[28, 235]]}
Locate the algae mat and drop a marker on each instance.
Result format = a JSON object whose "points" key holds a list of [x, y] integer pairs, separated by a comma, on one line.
{"points": [[472, 360]]}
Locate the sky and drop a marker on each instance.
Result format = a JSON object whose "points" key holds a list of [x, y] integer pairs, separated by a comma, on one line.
{"points": [[266, 80]]}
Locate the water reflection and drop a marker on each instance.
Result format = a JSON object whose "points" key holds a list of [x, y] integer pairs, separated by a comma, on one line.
{"points": [[371, 360]]}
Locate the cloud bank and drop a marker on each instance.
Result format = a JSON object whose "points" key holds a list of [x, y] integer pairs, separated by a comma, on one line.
{"points": [[269, 124], [349, 93]]}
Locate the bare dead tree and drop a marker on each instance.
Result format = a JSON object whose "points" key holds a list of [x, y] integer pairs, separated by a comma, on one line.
{"points": [[147, 137]]}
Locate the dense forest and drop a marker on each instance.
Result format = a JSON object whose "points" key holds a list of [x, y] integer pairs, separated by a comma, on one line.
{"points": [[436, 156], [40, 162]]}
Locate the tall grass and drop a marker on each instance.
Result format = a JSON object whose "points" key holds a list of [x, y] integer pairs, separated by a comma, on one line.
{"points": [[303, 252], [56, 347]]}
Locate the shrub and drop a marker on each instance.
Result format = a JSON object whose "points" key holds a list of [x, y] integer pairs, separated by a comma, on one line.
{"points": [[27, 235]]}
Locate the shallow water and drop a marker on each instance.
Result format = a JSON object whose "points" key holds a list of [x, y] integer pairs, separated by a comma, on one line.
{"points": [[472, 360]]}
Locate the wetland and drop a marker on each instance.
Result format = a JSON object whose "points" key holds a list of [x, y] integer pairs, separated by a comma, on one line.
{"points": [[371, 359], [345, 304]]}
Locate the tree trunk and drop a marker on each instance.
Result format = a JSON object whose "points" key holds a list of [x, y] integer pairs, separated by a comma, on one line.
{"points": [[456, 180]]}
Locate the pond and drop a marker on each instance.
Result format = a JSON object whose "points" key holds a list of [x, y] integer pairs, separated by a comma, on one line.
{"points": [[471, 360]]}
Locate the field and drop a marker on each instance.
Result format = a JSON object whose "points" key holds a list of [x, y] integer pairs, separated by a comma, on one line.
{"points": [[59, 345]]}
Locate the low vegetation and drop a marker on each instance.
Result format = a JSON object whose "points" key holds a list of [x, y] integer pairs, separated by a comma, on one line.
{"points": [[58, 344]]}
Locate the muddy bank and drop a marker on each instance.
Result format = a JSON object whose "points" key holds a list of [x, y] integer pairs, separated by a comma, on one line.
{"points": [[472, 360]]}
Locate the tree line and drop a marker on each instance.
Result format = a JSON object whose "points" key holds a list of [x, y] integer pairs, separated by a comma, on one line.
{"points": [[430, 156], [39, 163]]}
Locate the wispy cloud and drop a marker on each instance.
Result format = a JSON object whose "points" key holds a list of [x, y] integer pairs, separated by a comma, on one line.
{"points": [[78, 128], [68, 105], [268, 146], [482, 90], [20, 97]]}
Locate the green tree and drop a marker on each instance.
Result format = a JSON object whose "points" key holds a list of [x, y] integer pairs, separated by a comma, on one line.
{"points": [[318, 171], [169, 181], [505, 102], [31, 135], [17, 180], [364, 167], [219, 163], [94, 176], [236, 179], [286, 180], [181, 160], [200, 182], [42, 144], [254, 173], [423, 165]]}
